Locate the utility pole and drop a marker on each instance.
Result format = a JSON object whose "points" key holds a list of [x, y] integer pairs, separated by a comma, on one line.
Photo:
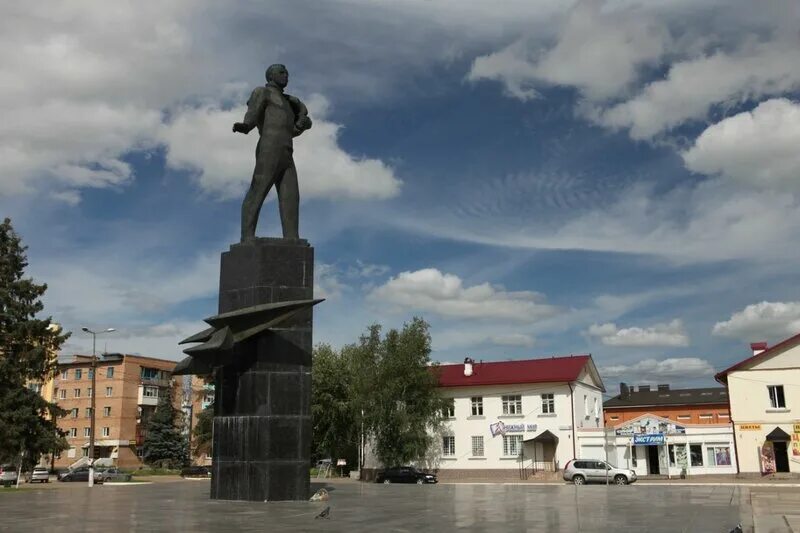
{"points": [[94, 393]]}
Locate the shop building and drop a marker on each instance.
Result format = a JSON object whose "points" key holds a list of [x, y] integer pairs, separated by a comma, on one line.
{"points": [[512, 419], [764, 392], [663, 431]]}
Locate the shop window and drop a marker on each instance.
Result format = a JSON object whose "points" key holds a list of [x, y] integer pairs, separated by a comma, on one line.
{"points": [[634, 462], [718, 456], [512, 405], [677, 455], [548, 404], [449, 410], [477, 405], [696, 454], [477, 446], [776, 397], [448, 446], [512, 445]]}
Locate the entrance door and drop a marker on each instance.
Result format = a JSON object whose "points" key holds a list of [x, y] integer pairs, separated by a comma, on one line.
{"points": [[652, 460], [781, 456]]}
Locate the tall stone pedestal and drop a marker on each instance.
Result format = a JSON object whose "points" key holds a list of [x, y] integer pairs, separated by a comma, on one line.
{"points": [[262, 419]]}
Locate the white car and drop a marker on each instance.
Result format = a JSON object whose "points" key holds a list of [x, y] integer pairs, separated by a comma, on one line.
{"points": [[40, 474]]}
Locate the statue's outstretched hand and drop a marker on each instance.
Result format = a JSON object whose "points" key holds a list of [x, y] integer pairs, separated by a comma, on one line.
{"points": [[240, 127]]}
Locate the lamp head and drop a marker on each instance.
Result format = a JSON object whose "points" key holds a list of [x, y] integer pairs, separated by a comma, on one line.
{"points": [[85, 329]]}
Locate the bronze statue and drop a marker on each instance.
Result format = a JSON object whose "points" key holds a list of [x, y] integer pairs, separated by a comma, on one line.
{"points": [[279, 118]]}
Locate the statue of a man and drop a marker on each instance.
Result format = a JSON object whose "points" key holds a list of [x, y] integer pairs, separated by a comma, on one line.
{"points": [[279, 118]]}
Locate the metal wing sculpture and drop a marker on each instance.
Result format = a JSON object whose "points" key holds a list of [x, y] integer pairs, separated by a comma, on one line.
{"points": [[229, 329]]}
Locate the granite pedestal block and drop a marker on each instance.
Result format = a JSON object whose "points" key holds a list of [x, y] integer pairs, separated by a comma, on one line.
{"points": [[262, 419]]}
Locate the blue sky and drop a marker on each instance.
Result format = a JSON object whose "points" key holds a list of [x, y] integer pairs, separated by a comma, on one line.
{"points": [[548, 178]]}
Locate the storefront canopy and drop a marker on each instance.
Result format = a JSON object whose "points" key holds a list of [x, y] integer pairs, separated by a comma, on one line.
{"points": [[778, 434], [544, 436]]}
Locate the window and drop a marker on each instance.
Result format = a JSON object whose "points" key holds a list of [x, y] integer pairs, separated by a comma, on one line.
{"points": [[677, 455], [88, 412], [65, 374], [110, 372], [723, 415], [718, 455], [150, 392], [448, 446], [35, 387], [106, 411], [62, 394], [512, 444], [596, 408], [90, 373], [706, 416], [109, 391], [85, 452], [89, 392], [548, 404], [78, 373], [151, 373], [106, 431], [86, 431], [76, 393], [74, 412], [614, 417], [477, 446], [696, 454], [512, 405], [449, 410], [73, 432], [684, 417], [477, 405], [776, 398], [586, 406], [55, 394]]}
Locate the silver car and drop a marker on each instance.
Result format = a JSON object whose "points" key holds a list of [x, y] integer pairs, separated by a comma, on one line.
{"points": [[40, 474], [581, 471], [8, 475]]}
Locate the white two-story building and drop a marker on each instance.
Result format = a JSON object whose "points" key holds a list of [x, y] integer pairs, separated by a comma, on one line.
{"points": [[512, 418], [764, 393]]}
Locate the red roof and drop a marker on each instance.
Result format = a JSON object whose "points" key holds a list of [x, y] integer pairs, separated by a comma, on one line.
{"points": [[722, 377], [553, 369]]}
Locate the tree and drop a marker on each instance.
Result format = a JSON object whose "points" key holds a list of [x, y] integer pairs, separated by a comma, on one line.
{"points": [[203, 431], [332, 409], [164, 445], [28, 348]]}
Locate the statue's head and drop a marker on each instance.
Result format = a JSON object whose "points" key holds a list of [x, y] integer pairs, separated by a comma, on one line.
{"points": [[278, 75]]}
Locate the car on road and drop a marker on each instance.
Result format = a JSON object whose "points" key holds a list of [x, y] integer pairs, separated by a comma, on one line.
{"points": [[40, 474], [114, 474], [582, 471], [8, 475], [405, 474], [196, 471], [81, 474]]}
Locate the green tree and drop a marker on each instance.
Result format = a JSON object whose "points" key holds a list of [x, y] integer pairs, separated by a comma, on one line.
{"points": [[28, 347], [203, 431], [332, 409], [164, 445]]}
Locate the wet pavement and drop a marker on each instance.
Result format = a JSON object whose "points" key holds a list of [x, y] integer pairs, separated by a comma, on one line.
{"points": [[184, 506]]}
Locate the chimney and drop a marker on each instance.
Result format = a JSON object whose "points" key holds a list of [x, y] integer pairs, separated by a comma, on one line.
{"points": [[663, 387], [644, 388], [758, 347], [468, 366], [624, 391]]}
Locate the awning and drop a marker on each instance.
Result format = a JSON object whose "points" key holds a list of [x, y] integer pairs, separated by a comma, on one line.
{"points": [[544, 436], [778, 434]]}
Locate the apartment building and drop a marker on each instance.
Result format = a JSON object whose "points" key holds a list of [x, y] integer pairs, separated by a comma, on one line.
{"points": [[198, 395], [764, 395], [127, 391]]}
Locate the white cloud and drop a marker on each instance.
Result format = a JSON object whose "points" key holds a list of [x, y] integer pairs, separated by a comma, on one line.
{"points": [[668, 334], [762, 321], [598, 51], [513, 339], [200, 139], [654, 370], [429, 290], [758, 148], [693, 86]]}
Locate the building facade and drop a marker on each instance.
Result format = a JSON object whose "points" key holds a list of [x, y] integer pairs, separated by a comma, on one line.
{"points": [[514, 418], [663, 431], [198, 395], [764, 392], [127, 391]]}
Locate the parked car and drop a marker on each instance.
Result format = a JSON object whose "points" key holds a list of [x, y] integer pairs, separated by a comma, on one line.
{"points": [[114, 474], [581, 471], [196, 471], [81, 474], [8, 475], [405, 474], [40, 474]]}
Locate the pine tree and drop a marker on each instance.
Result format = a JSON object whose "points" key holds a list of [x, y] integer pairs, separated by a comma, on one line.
{"points": [[27, 355], [164, 445]]}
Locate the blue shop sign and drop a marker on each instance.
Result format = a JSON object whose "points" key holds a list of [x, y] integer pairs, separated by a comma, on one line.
{"points": [[653, 439]]}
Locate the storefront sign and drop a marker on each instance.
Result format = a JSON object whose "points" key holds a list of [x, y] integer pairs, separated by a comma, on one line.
{"points": [[341, 462], [498, 428], [653, 439], [797, 428], [796, 441], [749, 427], [531, 427], [515, 428], [650, 426]]}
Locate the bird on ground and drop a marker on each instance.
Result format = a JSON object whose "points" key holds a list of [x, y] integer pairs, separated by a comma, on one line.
{"points": [[326, 513]]}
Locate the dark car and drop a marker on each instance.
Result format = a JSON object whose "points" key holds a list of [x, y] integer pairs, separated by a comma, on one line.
{"points": [[81, 474], [405, 474], [196, 471]]}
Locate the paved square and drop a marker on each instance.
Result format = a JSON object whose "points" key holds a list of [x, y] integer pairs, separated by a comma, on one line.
{"points": [[184, 506]]}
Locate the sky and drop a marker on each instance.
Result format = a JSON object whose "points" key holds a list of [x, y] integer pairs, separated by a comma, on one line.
{"points": [[619, 177]]}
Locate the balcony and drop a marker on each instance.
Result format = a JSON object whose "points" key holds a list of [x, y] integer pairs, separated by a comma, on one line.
{"points": [[147, 395], [155, 382]]}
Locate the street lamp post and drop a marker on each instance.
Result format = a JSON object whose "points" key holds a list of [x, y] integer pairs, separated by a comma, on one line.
{"points": [[94, 393]]}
